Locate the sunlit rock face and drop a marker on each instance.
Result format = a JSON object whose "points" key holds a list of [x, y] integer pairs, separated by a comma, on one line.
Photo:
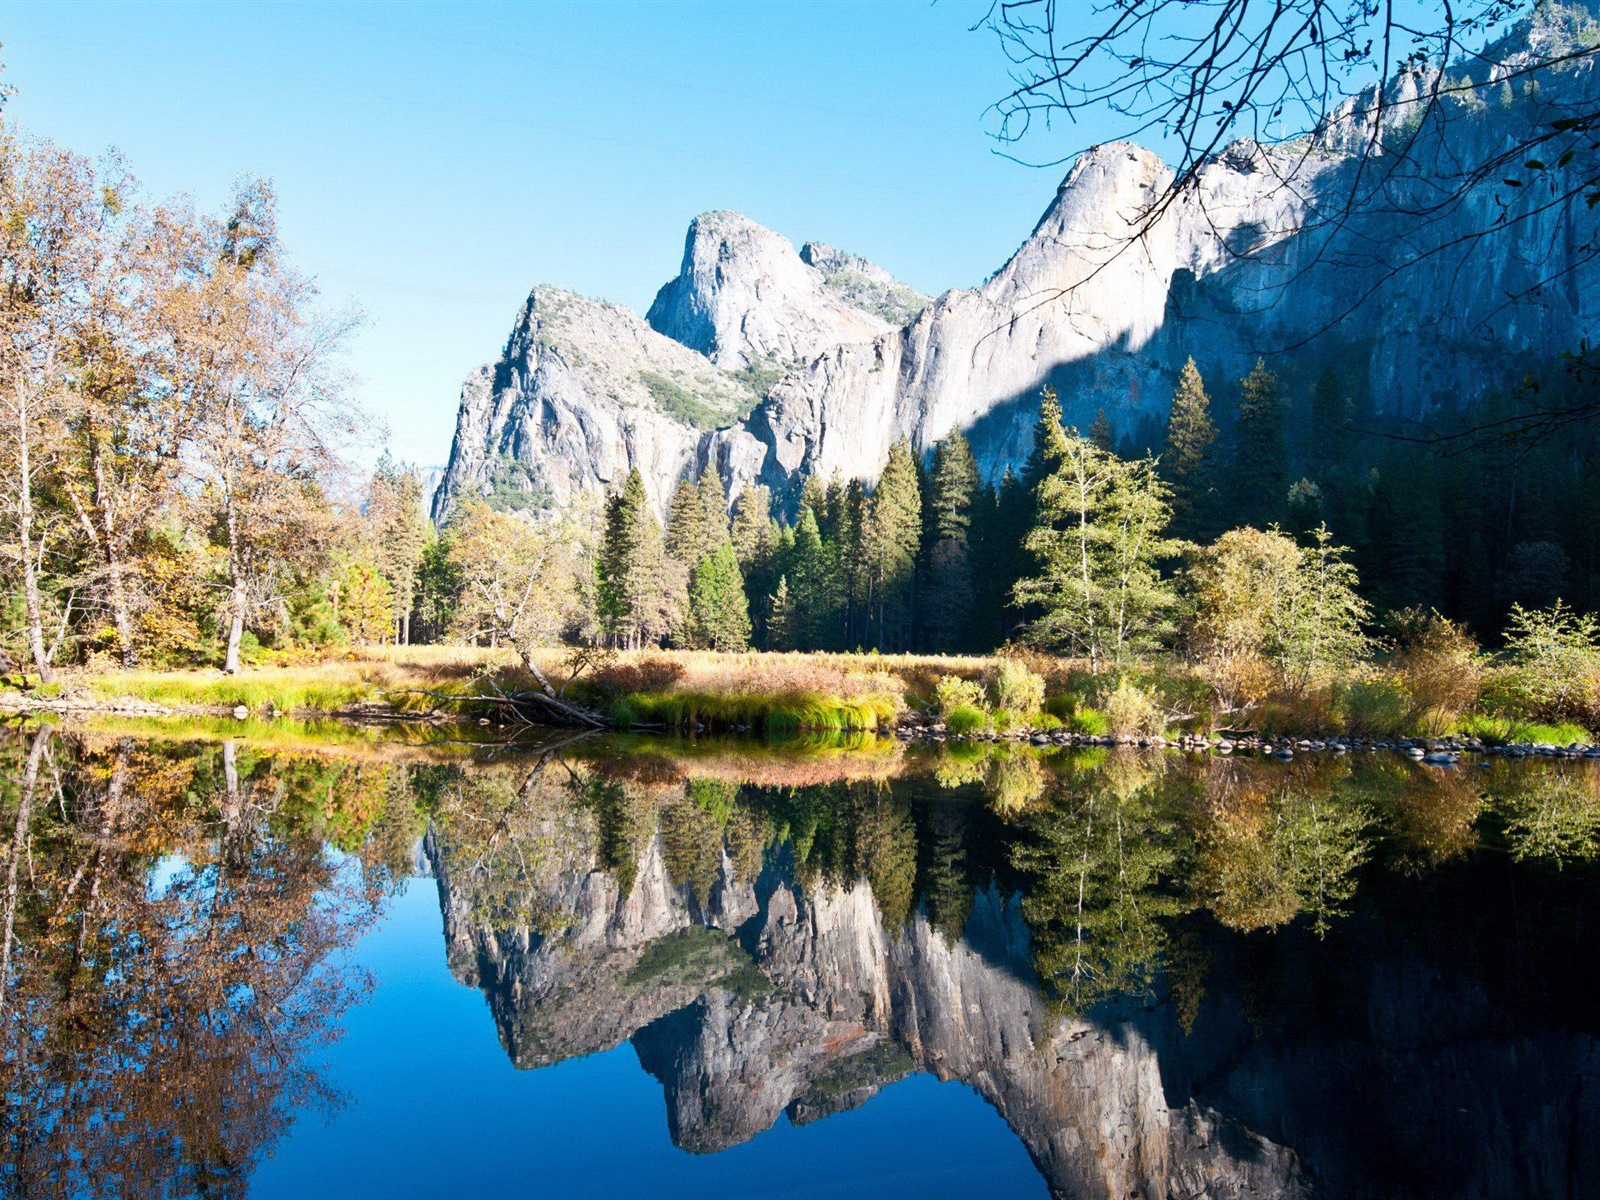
{"points": [[1293, 253], [584, 392], [744, 298]]}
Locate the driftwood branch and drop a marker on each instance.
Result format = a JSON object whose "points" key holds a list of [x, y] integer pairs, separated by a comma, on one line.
{"points": [[515, 702]]}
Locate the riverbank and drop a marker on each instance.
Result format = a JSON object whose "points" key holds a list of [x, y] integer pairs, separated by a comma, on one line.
{"points": [[914, 697]]}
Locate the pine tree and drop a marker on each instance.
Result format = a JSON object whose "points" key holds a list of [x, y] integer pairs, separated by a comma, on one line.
{"points": [[714, 507], [1331, 416], [1098, 540], [1261, 458], [753, 532], [756, 539], [947, 592], [890, 540], [845, 537], [697, 522], [1101, 433], [1049, 441], [989, 589], [781, 619], [1001, 520], [719, 613], [1187, 461], [399, 532], [815, 624], [952, 486], [634, 588]]}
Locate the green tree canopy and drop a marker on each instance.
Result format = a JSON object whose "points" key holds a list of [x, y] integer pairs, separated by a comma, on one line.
{"points": [[719, 613], [1187, 461], [1097, 542]]}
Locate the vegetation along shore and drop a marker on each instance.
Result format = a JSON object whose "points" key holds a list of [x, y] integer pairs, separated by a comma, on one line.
{"points": [[185, 535]]}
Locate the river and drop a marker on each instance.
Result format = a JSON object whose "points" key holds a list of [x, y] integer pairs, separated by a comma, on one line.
{"points": [[272, 960]]}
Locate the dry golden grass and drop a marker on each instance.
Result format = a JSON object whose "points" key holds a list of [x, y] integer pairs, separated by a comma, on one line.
{"points": [[403, 674], [847, 676]]}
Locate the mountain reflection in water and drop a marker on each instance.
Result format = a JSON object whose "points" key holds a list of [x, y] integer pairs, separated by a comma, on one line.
{"points": [[1172, 976]]}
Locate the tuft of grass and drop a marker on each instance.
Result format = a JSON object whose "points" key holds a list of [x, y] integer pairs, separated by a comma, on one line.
{"points": [[1502, 730], [327, 737], [415, 683], [325, 688], [1089, 721], [967, 718]]}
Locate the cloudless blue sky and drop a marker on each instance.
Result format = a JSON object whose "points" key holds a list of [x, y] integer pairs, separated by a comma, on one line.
{"points": [[433, 162]]}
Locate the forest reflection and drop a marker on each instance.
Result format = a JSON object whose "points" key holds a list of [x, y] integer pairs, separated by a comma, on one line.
{"points": [[178, 914]]}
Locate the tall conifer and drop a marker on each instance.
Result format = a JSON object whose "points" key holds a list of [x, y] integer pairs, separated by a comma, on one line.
{"points": [[1261, 457], [891, 537], [1049, 441], [1187, 462], [634, 597], [1098, 540], [719, 614], [947, 594]]}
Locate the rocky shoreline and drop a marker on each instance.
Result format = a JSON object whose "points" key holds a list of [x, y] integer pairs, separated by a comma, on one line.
{"points": [[1433, 751], [914, 727], [20, 704]]}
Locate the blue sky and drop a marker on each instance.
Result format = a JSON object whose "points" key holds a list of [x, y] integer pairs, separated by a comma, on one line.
{"points": [[433, 162]]}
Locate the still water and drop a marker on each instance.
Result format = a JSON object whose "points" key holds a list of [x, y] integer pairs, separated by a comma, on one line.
{"points": [[296, 962]]}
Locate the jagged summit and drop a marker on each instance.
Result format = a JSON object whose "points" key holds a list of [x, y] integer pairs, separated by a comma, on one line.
{"points": [[817, 361], [583, 391], [746, 300], [863, 284]]}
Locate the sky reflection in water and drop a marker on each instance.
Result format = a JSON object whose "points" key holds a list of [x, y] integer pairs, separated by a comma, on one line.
{"points": [[847, 969]]}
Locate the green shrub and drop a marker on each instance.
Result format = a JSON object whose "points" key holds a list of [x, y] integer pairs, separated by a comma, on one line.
{"points": [[1003, 719], [1016, 688], [1556, 653], [967, 718], [1377, 708], [1046, 721], [1131, 712], [953, 692]]}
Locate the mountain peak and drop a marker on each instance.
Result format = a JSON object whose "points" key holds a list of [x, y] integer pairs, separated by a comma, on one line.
{"points": [[862, 283], [746, 300]]}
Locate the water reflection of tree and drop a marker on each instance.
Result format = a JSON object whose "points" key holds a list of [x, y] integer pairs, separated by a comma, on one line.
{"points": [[1275, 843], [1098, 865], [505, 831], [162, 1000], [1551, 815]]}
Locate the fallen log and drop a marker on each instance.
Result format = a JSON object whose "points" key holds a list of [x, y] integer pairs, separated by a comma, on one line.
{"points": [[558, 712]]}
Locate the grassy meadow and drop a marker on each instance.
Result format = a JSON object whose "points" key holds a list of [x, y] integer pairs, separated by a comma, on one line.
{"points": [[791, 693]]}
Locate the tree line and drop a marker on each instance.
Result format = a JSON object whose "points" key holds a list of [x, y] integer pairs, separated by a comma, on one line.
{"points": [[1094, 548], [174, 489]]}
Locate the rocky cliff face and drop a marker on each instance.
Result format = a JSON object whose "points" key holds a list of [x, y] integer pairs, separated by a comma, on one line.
{"points": [[1291, 251], [745, 299], [583, 392]]}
